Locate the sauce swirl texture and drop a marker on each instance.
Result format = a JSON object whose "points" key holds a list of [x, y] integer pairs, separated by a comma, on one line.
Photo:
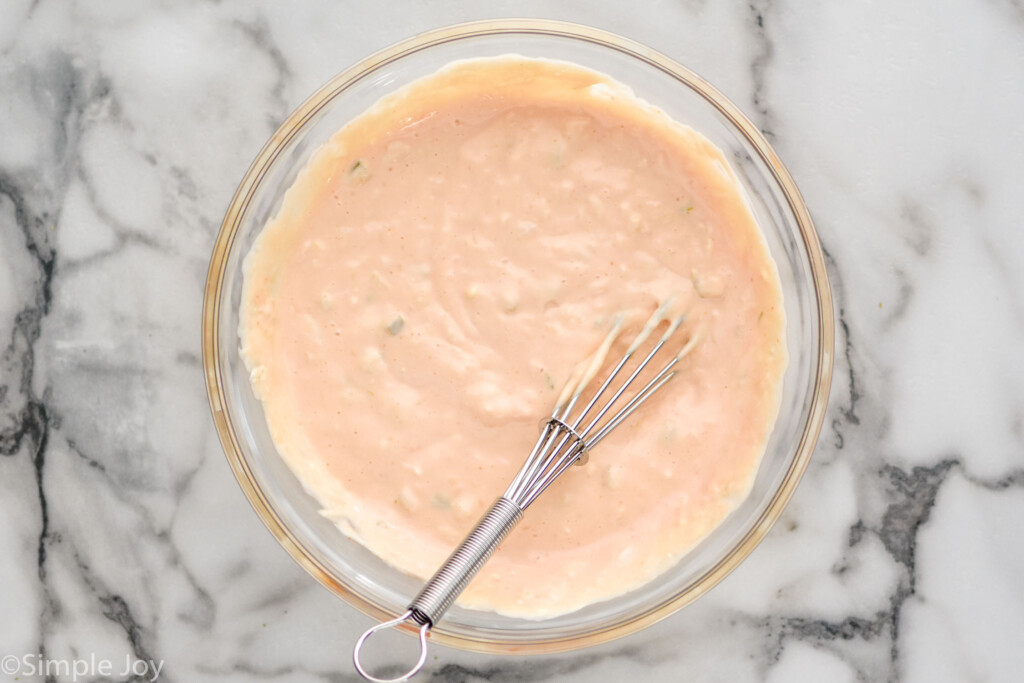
{"points": [[431, 280]]}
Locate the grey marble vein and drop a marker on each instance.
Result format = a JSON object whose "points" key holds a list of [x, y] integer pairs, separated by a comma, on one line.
{"points": [[763, 51]]}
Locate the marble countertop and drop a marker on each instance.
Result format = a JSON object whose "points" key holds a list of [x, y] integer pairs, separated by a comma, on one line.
{"points": [[124, 128]]}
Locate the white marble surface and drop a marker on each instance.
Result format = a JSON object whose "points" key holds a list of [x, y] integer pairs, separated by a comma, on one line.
{"points": [[124, 128]]}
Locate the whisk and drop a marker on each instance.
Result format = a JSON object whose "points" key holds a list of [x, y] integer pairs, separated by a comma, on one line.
{"points": [[565, 440]]}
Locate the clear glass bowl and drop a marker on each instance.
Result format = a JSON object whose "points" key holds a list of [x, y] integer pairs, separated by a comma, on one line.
{"points": [[351, 571]]}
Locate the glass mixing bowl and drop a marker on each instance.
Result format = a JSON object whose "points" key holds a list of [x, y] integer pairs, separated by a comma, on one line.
{"points": [[354, 573]]}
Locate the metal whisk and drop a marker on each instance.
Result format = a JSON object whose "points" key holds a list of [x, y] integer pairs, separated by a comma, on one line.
{"points": [[565, 440]]}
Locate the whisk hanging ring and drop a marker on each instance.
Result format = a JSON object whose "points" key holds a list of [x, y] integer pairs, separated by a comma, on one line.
{"points": [[424, 628]]}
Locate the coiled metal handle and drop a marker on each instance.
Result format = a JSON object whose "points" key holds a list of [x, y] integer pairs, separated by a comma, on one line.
{"points": [[427, 608], [460, 568]]}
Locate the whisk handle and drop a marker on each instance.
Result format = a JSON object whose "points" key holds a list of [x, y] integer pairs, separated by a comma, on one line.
{"points": [[462, 565], [450, 580]]}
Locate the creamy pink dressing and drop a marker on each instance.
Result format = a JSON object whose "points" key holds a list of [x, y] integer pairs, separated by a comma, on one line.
{"points": [[435, 274]]}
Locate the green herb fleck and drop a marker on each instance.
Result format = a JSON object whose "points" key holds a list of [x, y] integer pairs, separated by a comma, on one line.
{"points": [[396, 325], [689, 209], [551, 382], [359, 172], [759, 316]]}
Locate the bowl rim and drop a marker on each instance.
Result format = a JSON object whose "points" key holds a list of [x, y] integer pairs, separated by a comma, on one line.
{"points": [[215, 382]]}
